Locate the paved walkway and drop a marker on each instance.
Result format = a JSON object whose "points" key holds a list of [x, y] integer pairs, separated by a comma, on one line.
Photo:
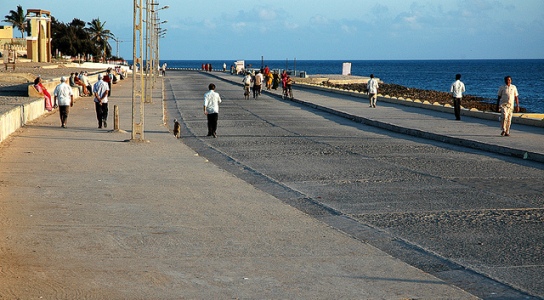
{"points": [[85, 213], [525, 142]]}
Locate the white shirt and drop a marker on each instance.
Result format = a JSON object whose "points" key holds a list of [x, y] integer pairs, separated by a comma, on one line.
{"points": [[101, 87], [372, 86], [247, 79], [457, 89], [211, 102], [508, 94], [64, 94], [85, 80], [259, 79]]}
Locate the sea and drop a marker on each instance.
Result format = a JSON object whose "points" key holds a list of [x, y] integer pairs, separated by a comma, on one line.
{"points": [[482, 77]]}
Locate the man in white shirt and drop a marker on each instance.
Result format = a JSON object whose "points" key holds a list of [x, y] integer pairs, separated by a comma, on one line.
{"points": [[247, 82], [64, 98], [457, 89], [211, 109], [507, 100], [372, 87], [100, 92], [257, 84]]}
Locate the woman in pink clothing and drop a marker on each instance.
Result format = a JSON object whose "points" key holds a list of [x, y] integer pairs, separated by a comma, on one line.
{"points": [[42, 90]]}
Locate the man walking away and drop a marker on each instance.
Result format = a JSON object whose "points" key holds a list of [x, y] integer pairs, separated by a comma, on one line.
{"points": [[100, 91], [457, 89], [64, 99], [211, 109]]}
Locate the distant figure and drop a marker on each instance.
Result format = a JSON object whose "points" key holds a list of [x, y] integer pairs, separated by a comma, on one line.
{"points": [[247, 83], [85, 79], [74, 84], [163, 69], [64, 99], [211, 109], [372, 87], [257, 84], [457, 89], [508, 102], [42, 90], [100, 91], [276, 81], [269, 79], [80, 83], [108, 79], [224, 67]]}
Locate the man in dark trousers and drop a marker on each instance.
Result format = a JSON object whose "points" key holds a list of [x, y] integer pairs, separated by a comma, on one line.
{"points": [[100, 91], [211, 109], [457, 89]]}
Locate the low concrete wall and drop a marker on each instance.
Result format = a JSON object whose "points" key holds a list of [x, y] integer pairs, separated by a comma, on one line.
{"points": [[20, 115], [11, 121], [51, 84]]}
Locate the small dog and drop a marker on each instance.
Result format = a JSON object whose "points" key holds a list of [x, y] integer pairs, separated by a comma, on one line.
{"points": [[177, 128]]}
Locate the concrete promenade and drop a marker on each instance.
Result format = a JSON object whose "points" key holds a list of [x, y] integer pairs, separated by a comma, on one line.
{"points": [[526, 142], [87, 214]]}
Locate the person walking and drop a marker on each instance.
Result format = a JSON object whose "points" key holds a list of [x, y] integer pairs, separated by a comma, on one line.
{"points": [[508, 103], [372, 87], [247, 83], [211, 109], [100, 91], [457, 89], [257, 84], [64, 99]]}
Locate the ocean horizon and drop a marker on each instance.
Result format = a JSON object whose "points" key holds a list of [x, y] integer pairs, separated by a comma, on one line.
{"points": [[482, 77]]}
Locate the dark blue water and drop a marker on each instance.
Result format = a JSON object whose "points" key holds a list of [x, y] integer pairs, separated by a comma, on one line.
{"points": [[482, 78]]}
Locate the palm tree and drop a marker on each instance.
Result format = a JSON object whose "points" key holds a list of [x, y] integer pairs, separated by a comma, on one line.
{"points": [[17, 19], [100, 35]]}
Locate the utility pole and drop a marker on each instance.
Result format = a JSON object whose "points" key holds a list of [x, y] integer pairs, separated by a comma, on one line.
{"points": [[137, 69]]}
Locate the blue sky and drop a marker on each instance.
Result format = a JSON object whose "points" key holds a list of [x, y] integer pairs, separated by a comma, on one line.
{"points": [[316, 29]]}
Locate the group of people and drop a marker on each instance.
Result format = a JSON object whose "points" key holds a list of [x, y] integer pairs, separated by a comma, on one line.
{"points": [[270, 79], [64, 96], [507, 97], [207, 67], [507, 101], [81, 81]]}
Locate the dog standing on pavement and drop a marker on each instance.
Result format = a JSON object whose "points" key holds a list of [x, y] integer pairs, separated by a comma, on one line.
{"points": [[177, 128]]}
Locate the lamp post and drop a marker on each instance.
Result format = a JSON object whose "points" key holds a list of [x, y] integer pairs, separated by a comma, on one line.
{"points": [[117, 41], [151, 60], [160, 32], [137, 68]]}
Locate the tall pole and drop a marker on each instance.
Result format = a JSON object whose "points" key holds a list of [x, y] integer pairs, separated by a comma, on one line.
{"points": [[149, 48], [137, 69]]}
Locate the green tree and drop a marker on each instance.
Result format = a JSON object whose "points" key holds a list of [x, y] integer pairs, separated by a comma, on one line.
{"points": [[17, 19], [72, 38], [100, 35]]}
